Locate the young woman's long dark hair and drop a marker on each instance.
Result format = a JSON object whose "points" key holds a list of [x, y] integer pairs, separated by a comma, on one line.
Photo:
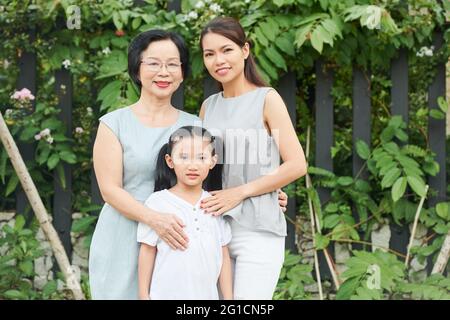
{"points": [[165, 176], [231, 28]]}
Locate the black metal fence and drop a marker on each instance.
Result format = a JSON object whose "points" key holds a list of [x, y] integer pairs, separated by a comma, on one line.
{"points": [[62, 217]]}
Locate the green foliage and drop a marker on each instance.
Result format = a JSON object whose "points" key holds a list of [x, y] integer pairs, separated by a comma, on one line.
{"points": [[19, 250], [293, 278]]}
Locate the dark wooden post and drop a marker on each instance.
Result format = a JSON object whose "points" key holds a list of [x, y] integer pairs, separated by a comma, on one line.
{"points": [[62, 200], [27, 79], [324, 137], [436, 134], [361, 126], [288, 88], [399, 106], [178, 96]]}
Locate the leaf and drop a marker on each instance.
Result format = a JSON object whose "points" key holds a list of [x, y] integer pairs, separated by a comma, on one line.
{"points": [[417, 185], [321, 241], [398, 189], [12, 184], [345, 181], [267, 66], [302, 34], [362, 149], [68, 157], [347, 289], [285, 45], [443, 210], [443, 105], [15, 294], [82, 224], [49, 288], [330, 221], [61, 175], [268, 31], [276, 57], [20, 223], [111, 88], [390, 177], [316, 40], [332, 27], [53, 161], [3, 158], [260, 37], [437, 114], [26, 267]]}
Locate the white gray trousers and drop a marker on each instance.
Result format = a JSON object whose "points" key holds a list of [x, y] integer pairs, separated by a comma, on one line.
{"points": [[257, 258]]}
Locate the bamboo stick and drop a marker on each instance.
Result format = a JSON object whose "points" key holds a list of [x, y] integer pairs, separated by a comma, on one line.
{"points": [[313, 225], [416, 220], [39, 210], [443, 256]]}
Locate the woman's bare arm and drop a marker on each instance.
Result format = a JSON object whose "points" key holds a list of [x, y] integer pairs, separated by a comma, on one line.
{"points": [[107, 155]]}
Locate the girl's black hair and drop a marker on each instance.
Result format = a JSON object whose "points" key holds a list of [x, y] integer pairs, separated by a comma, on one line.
{"points": [[165, 176], [141, 42]]}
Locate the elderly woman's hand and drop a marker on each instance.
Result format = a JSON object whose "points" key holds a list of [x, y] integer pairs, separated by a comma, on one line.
{"points": [[170, 229]]}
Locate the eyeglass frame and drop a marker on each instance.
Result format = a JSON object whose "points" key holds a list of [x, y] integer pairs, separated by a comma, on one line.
{"points": [[161, 64]]}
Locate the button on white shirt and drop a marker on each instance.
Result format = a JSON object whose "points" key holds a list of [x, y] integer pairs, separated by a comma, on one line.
{"points": [[194, 272]]}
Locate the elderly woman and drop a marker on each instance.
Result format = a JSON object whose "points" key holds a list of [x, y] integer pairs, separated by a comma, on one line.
{"points": [[125, 151]]}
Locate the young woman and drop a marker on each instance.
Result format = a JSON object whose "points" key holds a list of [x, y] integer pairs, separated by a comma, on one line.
{"points": [[254, 124], [186, 163]]}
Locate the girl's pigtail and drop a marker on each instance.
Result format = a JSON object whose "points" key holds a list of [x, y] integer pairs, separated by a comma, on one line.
{"points": [[165, 177]]}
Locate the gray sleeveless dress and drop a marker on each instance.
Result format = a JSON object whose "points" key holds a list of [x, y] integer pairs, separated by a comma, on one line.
{"points": [[250, 152], [113, 255]]}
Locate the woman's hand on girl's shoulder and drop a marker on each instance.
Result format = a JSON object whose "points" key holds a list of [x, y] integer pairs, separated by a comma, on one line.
{"points": [[169, 228], [282, 200]]}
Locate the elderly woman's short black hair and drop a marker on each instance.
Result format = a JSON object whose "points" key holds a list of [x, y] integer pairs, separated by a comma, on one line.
{"points": [[143, 40]]}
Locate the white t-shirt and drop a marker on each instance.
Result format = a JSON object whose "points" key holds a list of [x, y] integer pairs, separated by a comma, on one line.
{"points": [[194, 272]]}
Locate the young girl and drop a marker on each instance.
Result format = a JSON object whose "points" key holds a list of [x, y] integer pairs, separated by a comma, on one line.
{"points": [[186, 164]]}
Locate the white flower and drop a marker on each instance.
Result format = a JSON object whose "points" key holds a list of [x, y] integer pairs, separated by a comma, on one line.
{"points": [[89, 110], [8, 112], [6, 64], [106, 51], [215, 7], [37, 137], [66, 63], [79, 130], [424, 51], [192, 15], [373, 14], [199, 4], [49, 140], [45, 132]]}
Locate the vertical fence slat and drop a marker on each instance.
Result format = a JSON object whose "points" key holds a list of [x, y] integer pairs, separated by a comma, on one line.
{"points": [[27, 79], [324, 137], [436, 135], [178, 97], [62, 200], [399, 106], [436, 127], [288, 90], [361, 127], [209, 86]]}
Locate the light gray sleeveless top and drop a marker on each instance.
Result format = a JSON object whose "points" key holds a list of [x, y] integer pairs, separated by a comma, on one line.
{"points": [[250, 152]]}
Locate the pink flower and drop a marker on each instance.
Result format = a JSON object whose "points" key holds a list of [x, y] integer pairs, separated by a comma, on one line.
{"points": [[37, 137], [79, 130], [22, 95]]}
